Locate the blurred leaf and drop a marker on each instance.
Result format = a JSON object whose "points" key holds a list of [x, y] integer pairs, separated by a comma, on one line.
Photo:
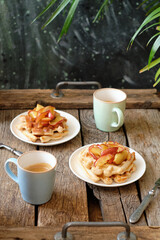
{"points": [[155, 14], [153, 37], [63, 4], [152, 3], [158, 28], [48, 6], [156, 82], [154, 24], [104, 4], [142, 3], [157, 74], [153, 8], [154, 49], [152, 64], [69, 18]]}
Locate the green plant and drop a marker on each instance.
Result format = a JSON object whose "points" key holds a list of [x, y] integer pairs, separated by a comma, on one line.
{"points": [[149, 22], [153, 13], [72, 8]]}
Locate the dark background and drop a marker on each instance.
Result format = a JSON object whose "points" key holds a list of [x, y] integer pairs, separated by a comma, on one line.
{"points": [[31, 57]]}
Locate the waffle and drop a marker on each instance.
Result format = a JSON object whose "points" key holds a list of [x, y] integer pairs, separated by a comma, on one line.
{"points": [[108, 162], [44, 124]]}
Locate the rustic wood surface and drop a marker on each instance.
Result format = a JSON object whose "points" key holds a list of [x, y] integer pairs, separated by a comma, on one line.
{"points": [[114, 202], [73, 199], [13, 210], [28, 98], [69, 201], [79, 233], [143, 133]]}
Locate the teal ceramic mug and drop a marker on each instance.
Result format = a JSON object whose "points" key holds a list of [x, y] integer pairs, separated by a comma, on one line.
{"points": [[108, 107], [35, 175]]}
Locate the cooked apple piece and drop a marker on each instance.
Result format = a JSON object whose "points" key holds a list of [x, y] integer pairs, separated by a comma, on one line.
{"points": [[111, 150], [42, 124], [103, 146], [46, 119], [51, 115], [95, 151], [120, 157], [32, 114], [120, 149], [41, 116], [57, 120], [104, 159], [38, 107], [49, 108]]}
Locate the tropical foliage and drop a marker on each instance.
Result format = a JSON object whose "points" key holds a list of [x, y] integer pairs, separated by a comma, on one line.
{"points": [[72, 6], [152, 20]]}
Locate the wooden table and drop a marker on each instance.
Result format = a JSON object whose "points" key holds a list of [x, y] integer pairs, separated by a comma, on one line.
{"points": [[73, 199]]}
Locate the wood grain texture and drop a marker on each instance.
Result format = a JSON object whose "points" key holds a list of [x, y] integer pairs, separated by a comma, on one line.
{"points": [[69, 200], [109, 197], [13, 210], [83, 233], [143, 131], [129, 193], [73, 98], [115, 203]]}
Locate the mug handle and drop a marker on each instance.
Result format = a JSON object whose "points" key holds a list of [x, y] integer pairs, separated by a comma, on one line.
{"points": [[120, 117], [8, 170]]}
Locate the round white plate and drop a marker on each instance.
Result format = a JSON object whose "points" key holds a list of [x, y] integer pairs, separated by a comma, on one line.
{"points": [[73, 130], [78, 170]]}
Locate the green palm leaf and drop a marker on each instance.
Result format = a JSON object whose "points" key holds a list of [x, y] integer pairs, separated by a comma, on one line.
{"points": [[157, 74], [105, 3], [153, 8], [48, 6], [155, 14], [154, 24], [154, 49], [156, 82], [69, 18], [153, 37], [152, 64], [63, 4]]}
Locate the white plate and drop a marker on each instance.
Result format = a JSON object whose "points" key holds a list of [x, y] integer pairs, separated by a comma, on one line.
{"points": [[73, 130], [78, 170]]}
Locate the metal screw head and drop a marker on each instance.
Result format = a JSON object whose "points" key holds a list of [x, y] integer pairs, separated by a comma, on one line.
{"points": [[58, 236], [122, 236], [54, 94]]}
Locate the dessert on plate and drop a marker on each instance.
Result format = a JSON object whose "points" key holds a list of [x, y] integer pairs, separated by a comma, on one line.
{"points": [[43, 123], [108, 161]]}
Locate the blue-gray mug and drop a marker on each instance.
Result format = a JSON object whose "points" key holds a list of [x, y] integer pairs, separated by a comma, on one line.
{"points": [[35, 175]]}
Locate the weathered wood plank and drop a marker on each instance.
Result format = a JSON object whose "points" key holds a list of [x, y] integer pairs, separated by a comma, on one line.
{"points": [[13, 210], [109, 197], [143, 131], [69, 200], [83, 233], [73, 98], [129, 194]]}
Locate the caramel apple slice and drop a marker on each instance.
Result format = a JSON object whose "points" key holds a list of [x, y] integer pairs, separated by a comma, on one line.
{"points": [[120, 157], [103, 146], [56, 121], [111, 150], [104, 159], [41, 116], [32, 114], [120, 149], [95, 151], [38, 107]]}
